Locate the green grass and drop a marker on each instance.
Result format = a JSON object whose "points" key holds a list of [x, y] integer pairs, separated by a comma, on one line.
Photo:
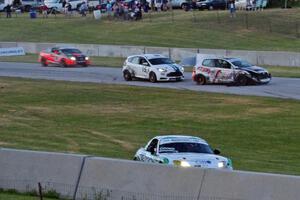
{"points": [[259, 134], [291, 72], [273, 29], [15, 195]]}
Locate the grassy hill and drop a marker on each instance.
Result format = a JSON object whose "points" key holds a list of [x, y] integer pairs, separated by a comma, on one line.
{"points": [[273, 29]]}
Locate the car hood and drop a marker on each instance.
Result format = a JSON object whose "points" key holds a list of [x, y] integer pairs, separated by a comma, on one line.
{"points": [[254, 69], [197, 159], [169, 67]]}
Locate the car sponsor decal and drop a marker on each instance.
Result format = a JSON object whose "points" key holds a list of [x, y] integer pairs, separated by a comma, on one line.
{"points": [[178, 139]]}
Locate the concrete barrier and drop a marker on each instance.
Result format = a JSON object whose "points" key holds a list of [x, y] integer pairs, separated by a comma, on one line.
{"points": [[274, 58], [110, 179], [22, 170], [125, 177], [249, 186]]}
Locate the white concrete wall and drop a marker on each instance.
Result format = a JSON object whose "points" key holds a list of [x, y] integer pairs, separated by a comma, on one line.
{"points": [[275, 58], [122, 179], [24, 169]]}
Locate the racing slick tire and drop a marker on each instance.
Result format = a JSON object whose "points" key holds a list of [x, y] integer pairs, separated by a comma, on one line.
{"points": [[127, 76], [63, 63], [152, 77], [241, 80], [200, 79], [44, 62]]}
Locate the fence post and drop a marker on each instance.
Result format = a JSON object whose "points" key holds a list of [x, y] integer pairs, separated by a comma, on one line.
{"points": [[40, 191]]}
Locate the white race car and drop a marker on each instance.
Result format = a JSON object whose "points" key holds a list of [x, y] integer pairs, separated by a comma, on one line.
{"points": [[183, 151], [154, 67]]}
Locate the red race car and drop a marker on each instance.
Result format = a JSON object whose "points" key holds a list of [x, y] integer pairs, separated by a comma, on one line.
{"points": [[63, 56]]}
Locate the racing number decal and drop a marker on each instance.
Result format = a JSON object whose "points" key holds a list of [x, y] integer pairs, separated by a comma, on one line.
{"points": [[145, 69]]}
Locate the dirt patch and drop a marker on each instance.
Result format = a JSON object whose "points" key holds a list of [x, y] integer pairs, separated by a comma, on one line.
{"points": [[237, 101], [267, 110], [3, 143], [126, 145], [73, 146]]}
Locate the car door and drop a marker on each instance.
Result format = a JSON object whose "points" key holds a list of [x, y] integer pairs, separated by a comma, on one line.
{"points": [[144, 67], [225, 72], [134, 65]]}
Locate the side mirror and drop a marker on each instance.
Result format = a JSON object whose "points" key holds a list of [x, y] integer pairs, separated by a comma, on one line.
{"points": [[217, 152], [145, 64]]}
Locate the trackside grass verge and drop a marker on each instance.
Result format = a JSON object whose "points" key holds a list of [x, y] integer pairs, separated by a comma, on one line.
{"points": [[271, 29], [259, 134], [291, 72]]}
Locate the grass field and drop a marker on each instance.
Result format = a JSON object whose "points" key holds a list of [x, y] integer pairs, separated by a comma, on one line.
{"points": [[259, 134], [292, 72], [273, 29]]}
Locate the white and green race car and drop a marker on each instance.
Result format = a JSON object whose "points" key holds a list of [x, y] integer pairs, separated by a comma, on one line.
{"points": [[183, 151]]}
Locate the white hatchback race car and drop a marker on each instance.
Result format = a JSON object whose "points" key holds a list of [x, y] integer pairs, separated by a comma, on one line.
{"points": [[235, 71], [183, 151], [154, 67]]}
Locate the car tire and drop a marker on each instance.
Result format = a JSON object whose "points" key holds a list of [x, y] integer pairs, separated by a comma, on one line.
{"points": [[152, 77], [200, 79], [210, 8], [241, 80], [63, 63], [127, 76], [183, 6], [44, 62]]}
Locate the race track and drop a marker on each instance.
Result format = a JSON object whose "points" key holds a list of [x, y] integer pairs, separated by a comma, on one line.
{"points": [[278, 87]]}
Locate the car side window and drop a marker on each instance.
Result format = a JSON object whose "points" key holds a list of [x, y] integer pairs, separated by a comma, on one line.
{"points": [[208, 63], [152, 146], [143, 61], [223, 64], [135, 60]]}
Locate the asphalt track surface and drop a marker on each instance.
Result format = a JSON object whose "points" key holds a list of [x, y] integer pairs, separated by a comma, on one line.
{"points": [[288, 88]]}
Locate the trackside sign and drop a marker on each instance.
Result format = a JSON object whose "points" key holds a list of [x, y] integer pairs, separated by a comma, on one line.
{"points": [[14, 51]]}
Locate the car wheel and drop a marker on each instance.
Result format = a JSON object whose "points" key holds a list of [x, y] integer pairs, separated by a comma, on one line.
{"points": [[44, 62], [152, 77], [127, 76], [63, 63], [242, 80], [183, 6], [135, 159], [210, 8], [200, 79]]}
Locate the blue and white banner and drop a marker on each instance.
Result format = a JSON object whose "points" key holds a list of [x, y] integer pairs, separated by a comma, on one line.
{"points": [[13, 51]]}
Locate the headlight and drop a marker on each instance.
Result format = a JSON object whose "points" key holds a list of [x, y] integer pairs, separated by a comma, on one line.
{"points": [[221, 164], [184, 164], [87, 58], [182, 69], [181, 163], [162, 70], [73, 58]]}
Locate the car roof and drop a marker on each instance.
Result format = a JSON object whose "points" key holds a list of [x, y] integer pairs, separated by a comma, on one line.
{"points": [[179, 138], [149, 56]]}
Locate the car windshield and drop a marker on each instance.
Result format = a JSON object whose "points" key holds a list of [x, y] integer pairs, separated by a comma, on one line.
{"points": [[242, 63], [159, 61], [70, 51], [185, 147]]}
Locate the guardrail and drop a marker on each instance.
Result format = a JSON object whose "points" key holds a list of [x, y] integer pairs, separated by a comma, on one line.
{"points": [[273, 58], [85, 177]]}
